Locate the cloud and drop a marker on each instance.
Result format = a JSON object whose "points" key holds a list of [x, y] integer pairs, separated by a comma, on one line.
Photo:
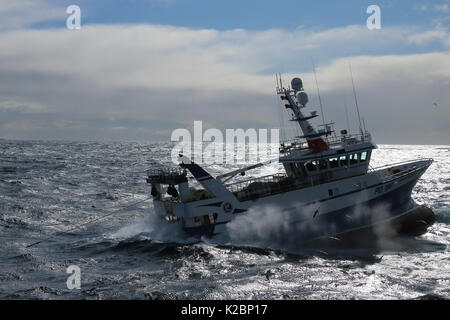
{"points": [[420, 7], [24, 106], [139, 81], [23, 13], [441, 8], [438, 34]]}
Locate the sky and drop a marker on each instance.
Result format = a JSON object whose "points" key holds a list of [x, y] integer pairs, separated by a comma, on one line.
{"points": [[138, 69]]}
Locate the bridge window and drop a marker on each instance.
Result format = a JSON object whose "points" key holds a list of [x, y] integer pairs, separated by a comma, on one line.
{"points": [[334, 162], [323, 165], [354, 158], [343, 160], [311, 166], [301, 167], [297, 169], [363, 156]]}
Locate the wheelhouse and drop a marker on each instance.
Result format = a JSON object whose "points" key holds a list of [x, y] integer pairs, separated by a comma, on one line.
{"points": [[330, 167]]}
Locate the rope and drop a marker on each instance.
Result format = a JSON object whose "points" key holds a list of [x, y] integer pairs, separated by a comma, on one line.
{"points": [[19, 238], [86, 223]]}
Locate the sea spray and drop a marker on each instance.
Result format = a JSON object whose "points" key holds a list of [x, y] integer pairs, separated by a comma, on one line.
{"points": [[270, 226], [155, 228]]}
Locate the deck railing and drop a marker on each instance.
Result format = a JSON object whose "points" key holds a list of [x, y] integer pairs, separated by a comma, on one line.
{"points": [[264, 186], [385, 174], [299, 144], [281, 182], [277, 183], [165, 171], [167, 175]]}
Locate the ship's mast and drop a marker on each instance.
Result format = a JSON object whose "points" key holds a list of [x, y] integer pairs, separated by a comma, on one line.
{"points": [[356, 100], [297, 99]]}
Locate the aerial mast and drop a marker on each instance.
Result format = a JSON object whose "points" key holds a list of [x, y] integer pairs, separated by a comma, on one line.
{"points": [[297, 99], [318, 92], [356, 100]]}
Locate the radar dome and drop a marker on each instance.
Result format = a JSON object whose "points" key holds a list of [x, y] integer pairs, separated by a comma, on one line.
{"points": [[302, 98], [297, 84]]}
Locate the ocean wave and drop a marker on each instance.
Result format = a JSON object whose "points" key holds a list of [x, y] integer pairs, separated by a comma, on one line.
{"points": [[443, 215], [46, 187]]}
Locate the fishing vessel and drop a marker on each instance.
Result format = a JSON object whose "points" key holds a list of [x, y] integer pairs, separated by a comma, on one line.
{"points": [[328, 187]]}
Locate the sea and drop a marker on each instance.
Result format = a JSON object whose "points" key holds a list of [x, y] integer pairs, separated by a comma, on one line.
{"points": [[83, 209]]}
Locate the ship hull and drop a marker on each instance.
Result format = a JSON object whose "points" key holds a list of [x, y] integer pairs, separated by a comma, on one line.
{"points": [[412, 223], [381, 209]]}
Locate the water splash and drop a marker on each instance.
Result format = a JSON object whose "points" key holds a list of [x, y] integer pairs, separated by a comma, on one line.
{"points": [[154, 228]]}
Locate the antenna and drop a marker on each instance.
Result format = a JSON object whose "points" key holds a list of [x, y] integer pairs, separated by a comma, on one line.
{"points": [[346, 114], [280, 112], [354, 93], [318, 92]]}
